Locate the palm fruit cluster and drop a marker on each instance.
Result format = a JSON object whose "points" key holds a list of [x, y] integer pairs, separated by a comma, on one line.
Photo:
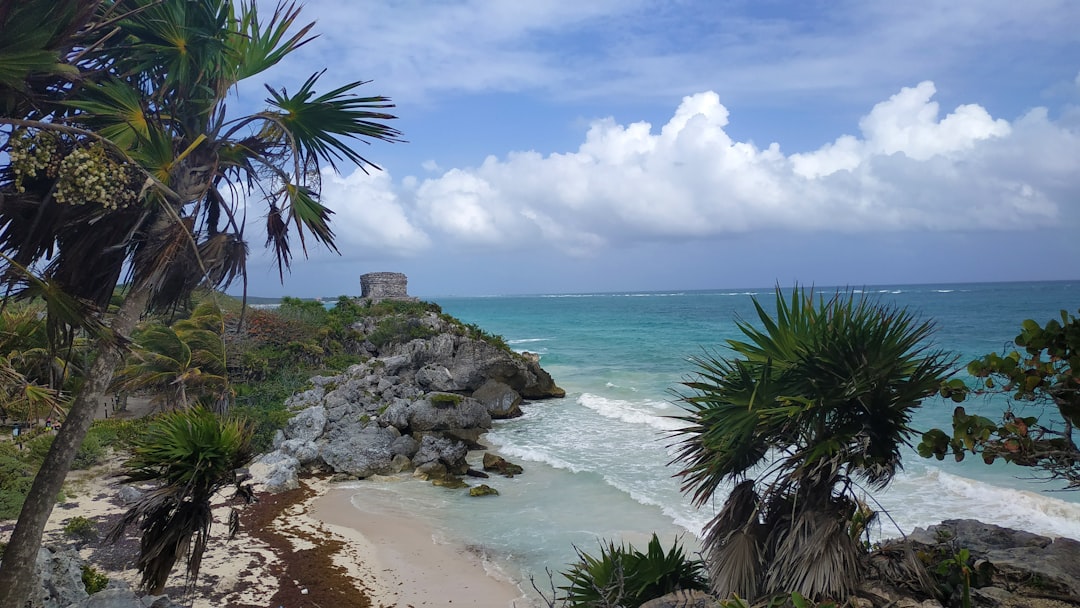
{"points": [[85, 174]]}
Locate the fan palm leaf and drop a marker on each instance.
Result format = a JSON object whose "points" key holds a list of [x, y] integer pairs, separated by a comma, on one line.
{"points": [[191, 455], [817, 394]]}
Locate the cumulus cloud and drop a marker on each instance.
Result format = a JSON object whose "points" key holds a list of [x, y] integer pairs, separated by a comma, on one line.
{"points": [[368, 214], [908, 169]]}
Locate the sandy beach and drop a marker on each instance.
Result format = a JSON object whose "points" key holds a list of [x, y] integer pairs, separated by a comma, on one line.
{"points": [[411, 568], [308, 548]]}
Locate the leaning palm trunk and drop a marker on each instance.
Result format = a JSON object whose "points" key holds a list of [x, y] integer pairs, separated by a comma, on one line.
{"points": [[20, 556]]}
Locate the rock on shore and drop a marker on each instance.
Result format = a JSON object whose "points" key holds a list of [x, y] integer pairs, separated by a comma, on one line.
{"points": [[419, 405]]}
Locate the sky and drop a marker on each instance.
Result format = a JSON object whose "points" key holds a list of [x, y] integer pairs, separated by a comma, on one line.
{"points": [[612, 145]]}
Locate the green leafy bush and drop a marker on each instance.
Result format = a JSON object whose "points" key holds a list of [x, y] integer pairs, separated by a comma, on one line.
{"points": [[444, 400], [93, 580], [397, 329], [15, 479], [90, 453], [81, 530], [37, 447], [625, 577]]}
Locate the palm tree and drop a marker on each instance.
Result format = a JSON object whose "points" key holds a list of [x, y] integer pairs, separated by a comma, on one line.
{"points": [[190, 455], [814, 403], [179, 363], [119, 123]]}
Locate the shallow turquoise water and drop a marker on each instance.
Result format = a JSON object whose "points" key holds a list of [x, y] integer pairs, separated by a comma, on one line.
{"points": [[596, 461]]}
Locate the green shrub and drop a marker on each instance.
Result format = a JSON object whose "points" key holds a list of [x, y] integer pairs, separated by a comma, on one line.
{"points": [[36, 448], [15, 479], [118, 433], [93, 580], [444, 399], [90, 453], [625, 577], [398, 330], [81, 530]]}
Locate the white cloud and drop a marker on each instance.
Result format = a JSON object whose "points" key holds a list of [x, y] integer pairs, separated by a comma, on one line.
{"points": [[369, 216], [909, 170]]}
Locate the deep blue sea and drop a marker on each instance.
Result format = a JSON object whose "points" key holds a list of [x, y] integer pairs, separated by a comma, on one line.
{"points": [[596, 462]]}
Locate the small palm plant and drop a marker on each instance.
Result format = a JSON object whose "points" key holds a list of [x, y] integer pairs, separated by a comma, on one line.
{"points": [[818, 400], [182, 363], [623, 577], [190, 455]]}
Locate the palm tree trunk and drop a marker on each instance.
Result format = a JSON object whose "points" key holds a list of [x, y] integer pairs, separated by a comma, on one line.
{"points": [[20, 556]]}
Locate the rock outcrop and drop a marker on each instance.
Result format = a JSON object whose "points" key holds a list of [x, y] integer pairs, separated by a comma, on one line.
{"points": [[1022, 564], [419, 406]]}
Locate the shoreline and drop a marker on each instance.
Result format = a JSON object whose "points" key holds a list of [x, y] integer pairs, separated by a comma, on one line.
{"points": [[299, 548], [410, 567]]}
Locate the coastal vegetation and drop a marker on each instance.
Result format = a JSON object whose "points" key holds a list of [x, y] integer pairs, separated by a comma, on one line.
{"points": [[814, 403], [190, 455], [1044, 371], [114, 116]]}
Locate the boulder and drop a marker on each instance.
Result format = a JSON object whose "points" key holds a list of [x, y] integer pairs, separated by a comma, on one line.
{"points": [[276, 471], [444, 411], [307, 425], [1018, 557], [304, 451], [441, 450], [60, 576], [405, 446], [363, 453], [483, 490], [396, 414], [124, 598], [500, 465], [434, 377], [683, 599], [129, 495], [500, 400]]}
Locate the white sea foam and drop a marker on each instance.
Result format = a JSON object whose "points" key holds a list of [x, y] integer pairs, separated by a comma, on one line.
{"points": [[626, 411], [527, 340], [944, 290], [930, 495]]}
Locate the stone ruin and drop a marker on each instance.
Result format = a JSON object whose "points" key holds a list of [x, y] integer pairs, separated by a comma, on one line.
{"points": [[378, 286]]}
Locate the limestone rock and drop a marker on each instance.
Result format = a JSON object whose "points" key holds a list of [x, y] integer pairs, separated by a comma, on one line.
{"points": [[276, 471], [500, 465], [483, 490], [500, 400], [304, 451], [1018, 557], [363, 453], [434, 377], [129, 495], [308, 425], [441, 450], [439, 412], [60, 575], [683, 599]]}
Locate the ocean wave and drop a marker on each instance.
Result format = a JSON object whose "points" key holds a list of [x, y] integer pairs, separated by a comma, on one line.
{"points": [[527, 340], [530, 454], [943, 290], [932, 495], [626, 411]]}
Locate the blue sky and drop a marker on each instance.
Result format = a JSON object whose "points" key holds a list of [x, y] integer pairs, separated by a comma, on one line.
{"points": [[607, 145]]}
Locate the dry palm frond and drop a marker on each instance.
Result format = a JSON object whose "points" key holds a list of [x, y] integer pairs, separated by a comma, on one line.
{"points": [[733, 545], [815, 557], [897, 563]]}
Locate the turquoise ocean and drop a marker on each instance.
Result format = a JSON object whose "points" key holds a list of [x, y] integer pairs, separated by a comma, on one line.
{"points": [[596, 462]]}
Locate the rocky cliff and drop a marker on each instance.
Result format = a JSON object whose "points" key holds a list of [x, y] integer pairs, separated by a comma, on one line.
{"points": [[414, 405]]}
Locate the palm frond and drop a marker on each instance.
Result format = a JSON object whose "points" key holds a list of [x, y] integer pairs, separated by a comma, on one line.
{"points": [[318, 127]]}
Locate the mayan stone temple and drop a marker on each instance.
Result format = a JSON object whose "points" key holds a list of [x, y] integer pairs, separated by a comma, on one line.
{"points": [[379, 286]]}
